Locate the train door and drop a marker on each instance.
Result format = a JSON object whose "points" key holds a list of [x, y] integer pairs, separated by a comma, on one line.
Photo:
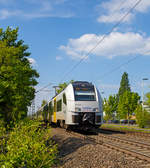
{"points": [[55, 110], [64, 103]]}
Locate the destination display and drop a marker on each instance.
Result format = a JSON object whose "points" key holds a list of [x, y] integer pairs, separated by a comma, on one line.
{"points": [[91, 88]]}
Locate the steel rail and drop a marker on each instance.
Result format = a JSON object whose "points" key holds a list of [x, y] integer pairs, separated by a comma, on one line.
{"points": [[130, 150], [134, 133], [137, 143]]}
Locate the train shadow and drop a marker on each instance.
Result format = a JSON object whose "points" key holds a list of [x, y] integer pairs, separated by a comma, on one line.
{"points": [[84, 132], [109, 132], [68, 146]]}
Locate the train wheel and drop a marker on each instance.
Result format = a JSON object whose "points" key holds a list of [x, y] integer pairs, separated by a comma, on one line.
{"points": [[58, 123], [66, 126]]}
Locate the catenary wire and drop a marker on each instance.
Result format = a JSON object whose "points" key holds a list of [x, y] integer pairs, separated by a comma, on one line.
{"points": [[101, 40], [125, 63], [118, 67], [118, 8], [43, 87]]}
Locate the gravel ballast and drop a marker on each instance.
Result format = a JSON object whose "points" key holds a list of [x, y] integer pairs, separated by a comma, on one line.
{"points": [[77, 153]]}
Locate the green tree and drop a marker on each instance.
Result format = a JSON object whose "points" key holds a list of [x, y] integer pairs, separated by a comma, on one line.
{"points": [[107, 110], [124, 85], [62, 86], [135, 98], [110, 107], [43, 102], [127, 104], [142, 117], [17, 77], [148, 99]]}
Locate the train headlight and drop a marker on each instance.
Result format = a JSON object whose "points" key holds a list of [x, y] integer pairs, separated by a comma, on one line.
{"points": [[77, 109], [95, 109]]}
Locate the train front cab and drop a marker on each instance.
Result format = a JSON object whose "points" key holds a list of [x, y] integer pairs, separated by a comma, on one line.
{"points": [[84, 106]]}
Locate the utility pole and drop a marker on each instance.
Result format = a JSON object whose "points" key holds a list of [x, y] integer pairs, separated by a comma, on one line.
{"points": [[32, 110], [143, 91], [55, 87]]}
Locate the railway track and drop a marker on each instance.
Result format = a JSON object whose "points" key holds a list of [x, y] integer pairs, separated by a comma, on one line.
{"points": [[133, 133], [136, 149]]}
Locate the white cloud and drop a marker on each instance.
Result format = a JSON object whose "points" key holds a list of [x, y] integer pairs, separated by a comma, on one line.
{"points": [[115, 44], [114, 10], [109, 86], [35, 15], [4, 13], [33, 9], [60, 1], [44, 15], [32, 61], [58, 58], [114, 17]]}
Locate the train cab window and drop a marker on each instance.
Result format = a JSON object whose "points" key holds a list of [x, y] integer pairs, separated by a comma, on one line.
{"points": [[64, 99], [84, 93], [59, 105], [84, 96]]}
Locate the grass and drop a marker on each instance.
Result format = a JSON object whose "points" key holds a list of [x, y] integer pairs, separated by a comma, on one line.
{"points": [[130, 128]]}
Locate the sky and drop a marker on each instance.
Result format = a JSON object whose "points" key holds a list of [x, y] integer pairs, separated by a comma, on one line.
{"points": [[73, 40]]}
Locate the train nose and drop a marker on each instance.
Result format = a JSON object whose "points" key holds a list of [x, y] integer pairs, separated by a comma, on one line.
{"points": [[88, 118]]}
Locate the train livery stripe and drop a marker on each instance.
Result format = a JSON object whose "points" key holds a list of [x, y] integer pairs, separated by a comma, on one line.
{"points": [[54, 119]]}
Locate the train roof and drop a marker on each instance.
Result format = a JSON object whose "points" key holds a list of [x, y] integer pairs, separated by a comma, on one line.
{"points": [[81, 83], [76, 84]]}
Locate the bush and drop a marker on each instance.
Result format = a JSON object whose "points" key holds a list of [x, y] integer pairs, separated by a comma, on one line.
{"points": [[142, 117], [29, 145], [2, 137]]}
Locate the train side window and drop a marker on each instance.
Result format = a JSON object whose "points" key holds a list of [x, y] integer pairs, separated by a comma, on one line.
{"points": [[64, 99], [59, 105]]}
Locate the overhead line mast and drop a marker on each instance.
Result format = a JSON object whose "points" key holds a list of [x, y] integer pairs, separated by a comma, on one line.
{"points": [[33, 101]]}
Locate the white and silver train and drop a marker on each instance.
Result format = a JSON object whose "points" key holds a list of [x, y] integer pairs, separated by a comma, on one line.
{"points": [[79, 105]]}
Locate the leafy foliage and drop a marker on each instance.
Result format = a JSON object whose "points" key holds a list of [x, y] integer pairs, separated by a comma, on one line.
{"points": [[142, 116], [124, 85], [127, 104], [2, 137], [148, 99], [43, 102], [29, 145], [127, 100], [110, 107], [17, 77], [62, 86]]}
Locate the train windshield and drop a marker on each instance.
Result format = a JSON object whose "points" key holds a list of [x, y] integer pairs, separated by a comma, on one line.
{"points": [[84, 94]]}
